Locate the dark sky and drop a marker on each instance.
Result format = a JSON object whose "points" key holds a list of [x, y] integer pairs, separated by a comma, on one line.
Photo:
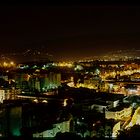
{"points": [[74, 31]]}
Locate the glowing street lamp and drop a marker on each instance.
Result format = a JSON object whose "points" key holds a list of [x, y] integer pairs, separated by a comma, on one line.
{"points": [[12, 63], [5, 64]]}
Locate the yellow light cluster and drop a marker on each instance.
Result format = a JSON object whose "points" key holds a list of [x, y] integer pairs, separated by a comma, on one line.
{"points": [[8, 64], [65, 64]]}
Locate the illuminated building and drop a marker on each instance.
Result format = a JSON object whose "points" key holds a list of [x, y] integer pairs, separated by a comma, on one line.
{"points": [[2, 95], [116, 129], [39, 81], [118, 113], [21, 80], [50, 81], [135, 119], [57, 127], [5, 77]]}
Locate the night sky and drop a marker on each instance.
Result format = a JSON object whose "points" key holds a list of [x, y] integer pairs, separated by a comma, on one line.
{"points": [[69, 32]]}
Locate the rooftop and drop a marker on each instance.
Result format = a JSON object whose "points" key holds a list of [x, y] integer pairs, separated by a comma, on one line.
{"points": [[120, 107]]}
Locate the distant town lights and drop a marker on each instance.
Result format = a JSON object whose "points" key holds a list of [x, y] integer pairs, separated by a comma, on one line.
{"points": [[8, 64], [64, 64]]}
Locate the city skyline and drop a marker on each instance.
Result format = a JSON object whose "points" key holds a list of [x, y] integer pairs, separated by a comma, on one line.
{"points": [[69, 32]]}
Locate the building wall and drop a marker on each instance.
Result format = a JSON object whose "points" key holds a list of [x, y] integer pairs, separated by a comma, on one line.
{"points": [[116, 128], [59, 127], [2, 96], [119, 115], [20, 78], [109, 115], [39, 82]]}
